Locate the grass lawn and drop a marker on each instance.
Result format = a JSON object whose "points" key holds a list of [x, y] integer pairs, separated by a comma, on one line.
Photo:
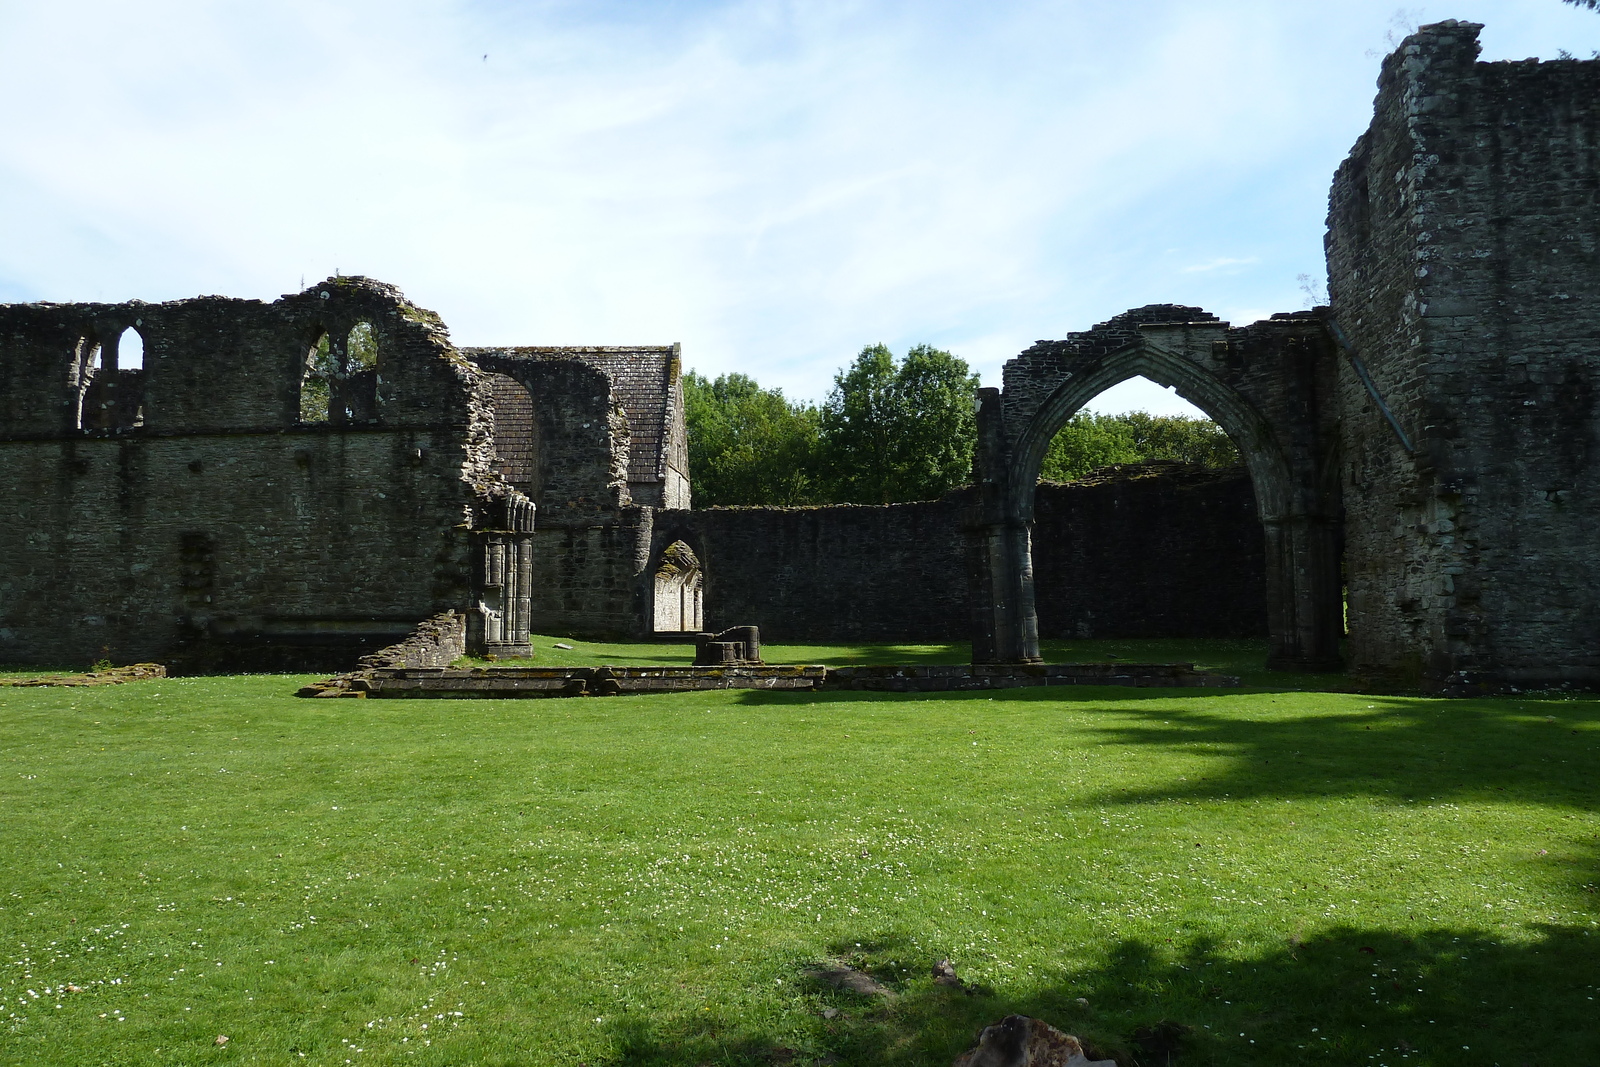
{"points": [[1296, 876]]}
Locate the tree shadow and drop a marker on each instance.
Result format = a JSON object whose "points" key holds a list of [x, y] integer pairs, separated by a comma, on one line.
{"points": [[1404, 750], [1351, 995]]}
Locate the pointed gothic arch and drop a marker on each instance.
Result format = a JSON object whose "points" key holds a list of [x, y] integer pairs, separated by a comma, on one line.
{"points": [[1268, 386]]}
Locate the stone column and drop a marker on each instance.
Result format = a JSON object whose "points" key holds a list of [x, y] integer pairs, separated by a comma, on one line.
{"points": [[999, 551], [504, 578]]}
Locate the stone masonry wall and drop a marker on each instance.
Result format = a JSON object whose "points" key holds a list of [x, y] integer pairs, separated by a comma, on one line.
{"points": [[223, 531], [1464, 264], [589, 578], [1151, 550], [1140, 551]]}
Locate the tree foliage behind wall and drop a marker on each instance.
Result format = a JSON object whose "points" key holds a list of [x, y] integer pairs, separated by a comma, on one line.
{"points": [[902, 430], [749, 445], [893, 430], [1090, 441]]}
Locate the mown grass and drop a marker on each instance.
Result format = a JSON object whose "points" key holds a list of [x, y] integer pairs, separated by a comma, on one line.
{"points": [[1296, 877]]}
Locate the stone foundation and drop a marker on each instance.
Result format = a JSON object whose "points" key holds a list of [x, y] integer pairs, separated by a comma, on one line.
{"points": [[495, 682]]}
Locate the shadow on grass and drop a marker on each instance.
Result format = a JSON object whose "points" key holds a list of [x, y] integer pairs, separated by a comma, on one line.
{"points": [[1400, 749], [1351, 995]]}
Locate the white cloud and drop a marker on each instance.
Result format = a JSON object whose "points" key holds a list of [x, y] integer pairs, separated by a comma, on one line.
{"points": [[772, 183], [1221, 263]]}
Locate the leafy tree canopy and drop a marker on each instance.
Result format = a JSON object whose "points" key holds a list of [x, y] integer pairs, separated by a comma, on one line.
{"points": [[1089, 441], [893, 430], [749, 445], [899, 430]]}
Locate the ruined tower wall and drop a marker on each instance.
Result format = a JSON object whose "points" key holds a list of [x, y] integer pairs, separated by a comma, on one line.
{"points": [[222, 531], [1464, 264], [1143, 551]]}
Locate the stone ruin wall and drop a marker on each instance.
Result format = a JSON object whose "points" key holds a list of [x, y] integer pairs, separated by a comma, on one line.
{"points": [[1157, 550], [194, 515], [580, 454], [1464, 265], [1151, 550], [222, 529]]}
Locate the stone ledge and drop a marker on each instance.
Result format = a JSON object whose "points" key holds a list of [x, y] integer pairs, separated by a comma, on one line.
{"points": [[525, 682], [957, 677]]}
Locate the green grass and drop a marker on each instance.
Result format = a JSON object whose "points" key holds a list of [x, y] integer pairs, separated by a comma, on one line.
{"points": [[1298, 877]]}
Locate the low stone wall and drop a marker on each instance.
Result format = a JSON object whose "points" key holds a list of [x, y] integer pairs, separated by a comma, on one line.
{"points": [[1138, 550], [560, 681], [135, 672], [522, 682], [943, 678]]}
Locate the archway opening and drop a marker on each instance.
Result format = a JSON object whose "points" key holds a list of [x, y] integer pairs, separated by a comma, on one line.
{"points": [[318, 369], [1145, 524], [128, 403], [1136, 421], [679, 590], [130, 350], [1279, 364]]}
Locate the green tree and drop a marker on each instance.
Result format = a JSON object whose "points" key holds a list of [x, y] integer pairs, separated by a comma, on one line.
{"points": [[895, 431], [749, 445], [1087, 442], [1091, 441]]}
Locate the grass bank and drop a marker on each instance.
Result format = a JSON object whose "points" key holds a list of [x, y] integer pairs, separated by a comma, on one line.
{"points": [[1295, 877]]}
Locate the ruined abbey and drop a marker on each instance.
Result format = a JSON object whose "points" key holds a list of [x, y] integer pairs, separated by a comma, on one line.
{"points": [[219, 483]]}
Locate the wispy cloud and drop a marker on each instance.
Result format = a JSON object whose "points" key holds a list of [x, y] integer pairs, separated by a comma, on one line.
{"points": [[773, 183], [1221, 263]]}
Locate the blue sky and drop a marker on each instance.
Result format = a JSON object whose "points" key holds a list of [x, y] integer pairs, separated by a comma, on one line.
{"points": [[772, 184]]}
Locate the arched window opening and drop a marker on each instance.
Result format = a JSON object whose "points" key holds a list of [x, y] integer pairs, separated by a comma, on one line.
{"points": [[130, 350], [358, 399], [319, 369], [107, 382], [679, 591], [128, 401], [339, 384]]}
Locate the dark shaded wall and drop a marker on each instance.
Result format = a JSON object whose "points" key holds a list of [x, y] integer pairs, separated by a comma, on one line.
{"points": [[1464, 264], [1138, 551], [222, 531], [1153, 550], [894, 572]]}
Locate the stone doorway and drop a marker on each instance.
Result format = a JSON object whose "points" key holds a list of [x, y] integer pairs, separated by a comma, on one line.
{"points": [[679, 591]]}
